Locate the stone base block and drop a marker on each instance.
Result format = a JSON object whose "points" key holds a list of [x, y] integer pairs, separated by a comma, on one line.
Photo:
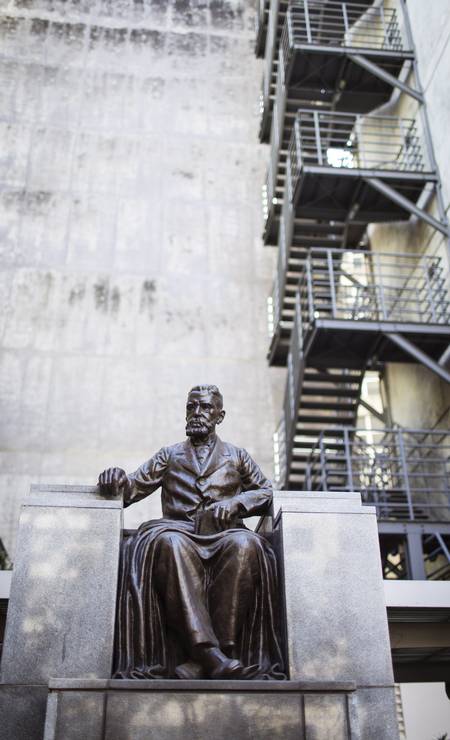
{"points": [[175, 710], [22, 711], [377, 713]]}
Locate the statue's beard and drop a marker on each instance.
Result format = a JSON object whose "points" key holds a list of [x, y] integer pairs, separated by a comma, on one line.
{"points": [[198, 428]]}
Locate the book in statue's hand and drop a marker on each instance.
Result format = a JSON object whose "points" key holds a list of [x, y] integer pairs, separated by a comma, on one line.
{"points": [[207, 523]]}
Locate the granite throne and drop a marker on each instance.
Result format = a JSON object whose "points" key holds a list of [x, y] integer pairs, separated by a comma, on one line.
{"points": [[56, 665]]}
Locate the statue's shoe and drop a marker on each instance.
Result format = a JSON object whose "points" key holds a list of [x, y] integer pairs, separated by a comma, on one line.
{"points": [[220, 667], [190, 671], [228, 670]]}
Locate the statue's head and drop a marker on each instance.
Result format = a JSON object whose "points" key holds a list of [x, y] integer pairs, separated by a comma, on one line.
{"points": [[204, 409]]}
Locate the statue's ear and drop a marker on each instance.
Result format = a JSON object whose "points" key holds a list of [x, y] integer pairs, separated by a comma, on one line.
{"points": [[221, 417]]}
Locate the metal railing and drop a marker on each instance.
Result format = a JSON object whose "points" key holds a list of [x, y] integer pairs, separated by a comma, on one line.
{"points": [[341, 24], [275, 142], [279, 452], [286, 428], [262, 16], [404, 473], [284, 241], [275, 23], [352, 141], [371, 286]]}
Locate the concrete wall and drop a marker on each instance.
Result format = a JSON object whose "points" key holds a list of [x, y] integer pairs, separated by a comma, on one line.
{"points": [[417, 397], [431, 30], [132, 264], [426, 711]]}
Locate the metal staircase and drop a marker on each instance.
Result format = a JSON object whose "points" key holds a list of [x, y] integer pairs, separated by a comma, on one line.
{"points": [[405, 474], [323, 24], [327, 398], [338, 164], [353, 310], [354, 305], [319, 67]]}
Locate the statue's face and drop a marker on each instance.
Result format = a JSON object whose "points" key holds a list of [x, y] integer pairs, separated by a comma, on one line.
{"points": [[202, 414]]}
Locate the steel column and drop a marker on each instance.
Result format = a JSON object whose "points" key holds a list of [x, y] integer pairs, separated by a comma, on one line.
{"points": [[415, 555], [307, 21], [318, 137], [348, 459], [310, 290], [404, 464], [332, 284]]}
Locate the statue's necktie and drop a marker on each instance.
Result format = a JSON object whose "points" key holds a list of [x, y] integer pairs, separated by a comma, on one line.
{"points": [[202, 452]]}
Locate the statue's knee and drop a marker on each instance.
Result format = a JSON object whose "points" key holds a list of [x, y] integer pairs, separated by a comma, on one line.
{"points": [[244, 542], [169, 542]]}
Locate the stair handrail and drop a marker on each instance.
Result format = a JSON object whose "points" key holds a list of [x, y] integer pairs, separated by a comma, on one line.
{"points": [[310, 460], [346, 16]]}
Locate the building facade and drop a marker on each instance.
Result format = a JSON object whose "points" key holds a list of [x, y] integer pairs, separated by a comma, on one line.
{"points": [[355, 201], [133, 265]]}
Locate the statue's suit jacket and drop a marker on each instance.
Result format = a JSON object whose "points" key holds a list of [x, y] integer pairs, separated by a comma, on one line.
{"points": [[145, 648], [228, 472]]}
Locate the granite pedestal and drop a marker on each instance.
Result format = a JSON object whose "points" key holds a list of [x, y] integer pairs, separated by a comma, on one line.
{"points": [[335, 614], [204, 710], [60, 633], [62, 604]]}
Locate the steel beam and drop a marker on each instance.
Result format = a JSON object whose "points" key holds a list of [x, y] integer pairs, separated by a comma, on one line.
{"points": [[415, 556], [405, 203], [401, 527], [445, 357], [419, 634], [420, 671], [373, 411], [439, 330], [418, 355], [386, 76], [443, 546]]}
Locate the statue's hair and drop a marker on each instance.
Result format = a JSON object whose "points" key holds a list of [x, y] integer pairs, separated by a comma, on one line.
{"points": [[213, 389]]}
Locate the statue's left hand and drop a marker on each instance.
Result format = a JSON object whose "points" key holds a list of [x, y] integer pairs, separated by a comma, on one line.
{"points": [[112, 480], [225, 511]]}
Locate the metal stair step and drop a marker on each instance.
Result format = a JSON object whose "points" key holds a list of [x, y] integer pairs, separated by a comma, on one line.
{"points": [[313, 432], [328, 405], [309, 418], [309, 446], [322, 377], [319, 391]]}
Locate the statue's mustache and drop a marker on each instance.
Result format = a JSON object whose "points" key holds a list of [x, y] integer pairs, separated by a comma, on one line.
{"points": [[199, 425]]}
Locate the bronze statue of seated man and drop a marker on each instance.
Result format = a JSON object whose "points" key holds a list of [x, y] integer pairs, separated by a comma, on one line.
{"points": [[197, 589]]}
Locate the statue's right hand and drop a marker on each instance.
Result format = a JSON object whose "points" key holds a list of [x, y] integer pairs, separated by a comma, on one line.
{"points": [[112, 480]]}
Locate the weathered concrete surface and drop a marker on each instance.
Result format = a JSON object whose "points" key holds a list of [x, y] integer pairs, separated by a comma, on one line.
{"points": [[377, 713], [63, 594], [130, 216], [431, 31], [174, 710], [418, 398], [22, 711]]}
